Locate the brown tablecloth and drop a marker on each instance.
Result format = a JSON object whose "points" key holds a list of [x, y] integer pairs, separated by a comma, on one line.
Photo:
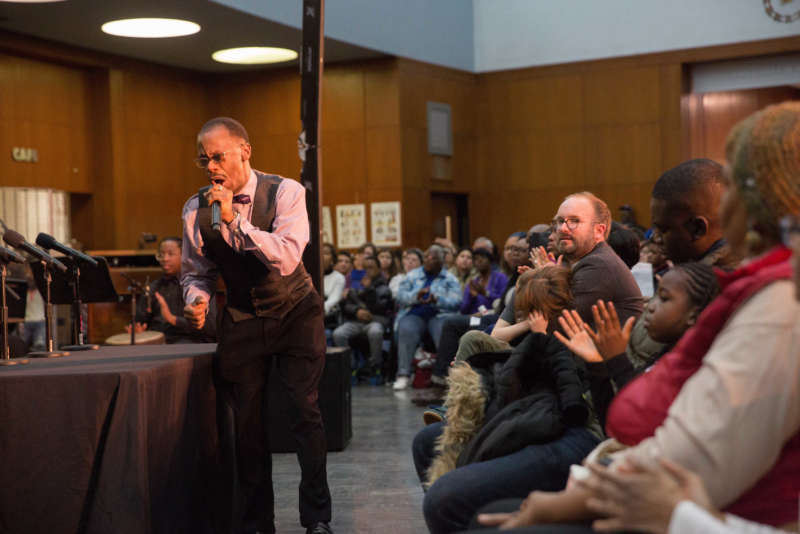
{"points": [[120, 440]]}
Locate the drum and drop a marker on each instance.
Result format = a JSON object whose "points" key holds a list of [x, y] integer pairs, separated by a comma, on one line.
{"points": [[148, 337]]}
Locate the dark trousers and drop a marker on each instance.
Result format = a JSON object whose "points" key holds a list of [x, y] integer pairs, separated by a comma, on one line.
{"points": [[452, 501], [244, 359], [454, 327]]}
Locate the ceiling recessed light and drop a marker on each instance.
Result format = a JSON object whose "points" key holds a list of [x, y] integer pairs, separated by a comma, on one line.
{"points": [[254, 55], [150, 28]]}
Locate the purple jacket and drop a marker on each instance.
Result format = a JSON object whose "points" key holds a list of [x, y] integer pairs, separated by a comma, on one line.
{"points": [[494, 290]]}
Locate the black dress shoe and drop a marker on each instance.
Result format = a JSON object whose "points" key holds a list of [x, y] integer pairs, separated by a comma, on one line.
{"points": [[320, 528]]}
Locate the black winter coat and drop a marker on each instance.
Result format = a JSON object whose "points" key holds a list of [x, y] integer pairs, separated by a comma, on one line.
{"points": [[532, 398], [377, 298]]}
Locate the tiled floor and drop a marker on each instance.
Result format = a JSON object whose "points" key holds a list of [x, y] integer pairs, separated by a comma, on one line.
{"points": [[373, 483]]}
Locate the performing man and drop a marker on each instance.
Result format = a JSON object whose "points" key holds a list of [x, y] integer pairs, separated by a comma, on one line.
{"points": [[271, 312]]}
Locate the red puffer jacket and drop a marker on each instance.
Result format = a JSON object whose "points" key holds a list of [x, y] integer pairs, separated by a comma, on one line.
{"points": [[643, 404]]}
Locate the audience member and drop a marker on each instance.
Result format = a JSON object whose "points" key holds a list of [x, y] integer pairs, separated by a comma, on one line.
{"points": [[387, 263], [485, 288], [366, 312], [513, 252], [425, 296], [625, 243], [34, 327], [162, 310], [683, 294], [333, 284], [366, 250], [582, 225], [725, 402], [660, 498], [685, 211], [344, 263], [535, 424], [412, 258], [455, 327], [462, 268]]}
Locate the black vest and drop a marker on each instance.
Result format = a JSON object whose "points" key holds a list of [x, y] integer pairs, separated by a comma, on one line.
{"points": [[253, 289]]}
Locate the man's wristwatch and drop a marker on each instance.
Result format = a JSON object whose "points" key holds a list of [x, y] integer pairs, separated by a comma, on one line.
{"points": [[234, 220]]}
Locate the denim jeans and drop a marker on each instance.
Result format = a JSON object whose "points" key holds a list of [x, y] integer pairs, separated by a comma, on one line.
{"points": [[454, 498], [410, 329], [374, 332]]}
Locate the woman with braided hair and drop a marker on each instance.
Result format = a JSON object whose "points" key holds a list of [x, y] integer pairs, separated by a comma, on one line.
{"points": [[725, 402], [683, 293]]}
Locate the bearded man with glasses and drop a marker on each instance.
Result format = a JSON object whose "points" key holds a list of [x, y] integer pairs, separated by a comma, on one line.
{"points": [[272, 312], [581, 228]]}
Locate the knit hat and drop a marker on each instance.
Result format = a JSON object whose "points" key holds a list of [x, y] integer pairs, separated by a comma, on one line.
{"points": [[764, 153]]}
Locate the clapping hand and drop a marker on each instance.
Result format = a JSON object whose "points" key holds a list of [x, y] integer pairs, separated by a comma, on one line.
{"points": [[540, 257], [611, 339], [537, 322], [579, 336]]}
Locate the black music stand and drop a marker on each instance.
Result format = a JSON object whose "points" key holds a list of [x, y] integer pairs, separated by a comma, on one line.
{"points": [[81, 283]]}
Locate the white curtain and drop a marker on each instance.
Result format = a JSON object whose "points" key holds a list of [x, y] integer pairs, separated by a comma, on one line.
{"points": [[31, 210]]}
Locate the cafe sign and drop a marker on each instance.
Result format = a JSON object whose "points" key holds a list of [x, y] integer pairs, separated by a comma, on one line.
{"points": [[24, 155]]}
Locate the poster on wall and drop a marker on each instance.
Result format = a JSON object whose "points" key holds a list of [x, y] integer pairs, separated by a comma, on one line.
{"points": [[327, 225], [351, 225], [385, 220]]}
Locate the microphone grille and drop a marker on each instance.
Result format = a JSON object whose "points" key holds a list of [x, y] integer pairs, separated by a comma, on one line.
{"points": [[45, 240], [13, 238]]}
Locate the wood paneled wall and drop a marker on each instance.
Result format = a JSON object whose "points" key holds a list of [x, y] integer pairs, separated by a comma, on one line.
{"points": [[712, 115], [47, 107], [546, 133], [360, 139], [120, 134]]}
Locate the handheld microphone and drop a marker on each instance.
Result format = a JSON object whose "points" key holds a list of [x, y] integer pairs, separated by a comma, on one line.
{"points": [[46, 241], [216, 215], [16, 240], [8, 255]]}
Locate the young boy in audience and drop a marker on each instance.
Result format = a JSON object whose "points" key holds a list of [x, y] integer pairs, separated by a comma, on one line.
{"points": [[162, 311]]}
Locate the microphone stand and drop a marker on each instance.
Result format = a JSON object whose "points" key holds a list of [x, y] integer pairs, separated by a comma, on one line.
{"points": [[48, 318], [77, 319], [6, 356], [135, 288]]}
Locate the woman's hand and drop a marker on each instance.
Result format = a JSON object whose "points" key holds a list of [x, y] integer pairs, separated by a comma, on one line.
{"points": [[537, 322], [578, 338], [641, 496], [610, 339]]}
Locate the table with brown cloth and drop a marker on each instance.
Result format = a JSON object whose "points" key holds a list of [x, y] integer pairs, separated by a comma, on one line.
{"points": [[120, 440]]}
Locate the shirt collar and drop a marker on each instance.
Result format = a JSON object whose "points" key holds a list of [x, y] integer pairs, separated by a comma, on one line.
{"points": [[250, 187]]}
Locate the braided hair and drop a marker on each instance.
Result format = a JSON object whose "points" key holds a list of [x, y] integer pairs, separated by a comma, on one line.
{"points": [[702, 285]]}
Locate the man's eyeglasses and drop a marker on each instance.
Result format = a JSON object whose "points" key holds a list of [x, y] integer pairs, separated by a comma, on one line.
{"points": [[571, 222], [516, 250], [203, 160]]}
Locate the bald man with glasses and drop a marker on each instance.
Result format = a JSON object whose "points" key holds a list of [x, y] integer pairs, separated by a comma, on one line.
{"points": [[272, 312]]}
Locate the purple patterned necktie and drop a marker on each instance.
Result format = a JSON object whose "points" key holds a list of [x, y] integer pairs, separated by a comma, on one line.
{"points": [[241, 199]]}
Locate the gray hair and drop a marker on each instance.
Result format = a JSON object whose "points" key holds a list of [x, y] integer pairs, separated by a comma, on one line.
{"points": [[437, 251]]}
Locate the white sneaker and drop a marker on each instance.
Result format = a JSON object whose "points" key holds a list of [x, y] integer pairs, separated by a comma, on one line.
{"points": [[401, 382]]}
